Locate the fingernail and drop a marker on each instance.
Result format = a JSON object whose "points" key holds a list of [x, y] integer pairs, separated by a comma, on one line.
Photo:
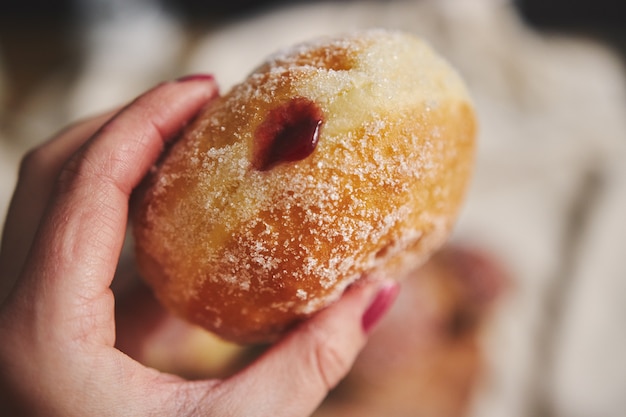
{"points": [[196, 77], [381, 303]]}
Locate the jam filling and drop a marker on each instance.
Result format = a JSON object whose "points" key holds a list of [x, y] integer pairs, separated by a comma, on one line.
{"points": [[289, 133]]}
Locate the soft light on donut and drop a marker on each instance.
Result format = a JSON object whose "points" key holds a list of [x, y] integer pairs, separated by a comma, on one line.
{"points": [[336, 159]]}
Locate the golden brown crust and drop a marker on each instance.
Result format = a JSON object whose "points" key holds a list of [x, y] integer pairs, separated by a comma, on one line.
{"points": [[246, 252]]}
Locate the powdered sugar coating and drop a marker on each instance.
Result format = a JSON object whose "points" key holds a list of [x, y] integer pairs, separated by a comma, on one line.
{"points": [[245, 252]]}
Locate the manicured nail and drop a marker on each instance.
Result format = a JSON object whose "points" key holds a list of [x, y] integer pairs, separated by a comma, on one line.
{"points": [[196, 77], [381, 303]]}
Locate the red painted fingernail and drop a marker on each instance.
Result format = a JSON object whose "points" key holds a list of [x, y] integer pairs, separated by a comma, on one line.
{"points": [[381, 303], [196, 77]]}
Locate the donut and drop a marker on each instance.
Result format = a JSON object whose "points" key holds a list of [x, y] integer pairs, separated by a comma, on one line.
{"points": [[338, 159]]}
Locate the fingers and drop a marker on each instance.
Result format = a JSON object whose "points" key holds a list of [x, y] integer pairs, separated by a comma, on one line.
{"points": [[294, 376], [38, 171], [75, 253]]}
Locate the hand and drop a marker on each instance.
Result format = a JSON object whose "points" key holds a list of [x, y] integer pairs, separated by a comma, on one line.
{"points": [[60, 250]]}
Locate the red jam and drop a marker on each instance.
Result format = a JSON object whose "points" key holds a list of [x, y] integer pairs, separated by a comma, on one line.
{"points": [[289, 133]]}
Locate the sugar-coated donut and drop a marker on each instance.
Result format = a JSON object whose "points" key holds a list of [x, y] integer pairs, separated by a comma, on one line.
{"points": [[336, 159]]}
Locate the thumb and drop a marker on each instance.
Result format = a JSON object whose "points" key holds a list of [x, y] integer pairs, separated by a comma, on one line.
{"points": [[295, 375]]}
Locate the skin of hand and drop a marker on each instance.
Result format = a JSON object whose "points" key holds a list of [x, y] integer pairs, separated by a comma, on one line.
{"points": [[60, 249]]}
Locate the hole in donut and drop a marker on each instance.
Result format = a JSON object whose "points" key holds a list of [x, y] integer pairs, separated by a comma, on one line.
{"points": [[461, 322], [289, 133], [331, 58], [335, 59]]}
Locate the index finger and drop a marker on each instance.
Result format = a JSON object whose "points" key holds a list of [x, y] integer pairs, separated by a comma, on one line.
{"points": [[38, 171], [75, 253]]}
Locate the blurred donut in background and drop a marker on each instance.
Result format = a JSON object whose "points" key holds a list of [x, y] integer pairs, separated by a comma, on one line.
{"points": [[426, 357]]}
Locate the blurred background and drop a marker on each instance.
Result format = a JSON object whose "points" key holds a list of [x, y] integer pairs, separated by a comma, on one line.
{"points": [[534, 276]]}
